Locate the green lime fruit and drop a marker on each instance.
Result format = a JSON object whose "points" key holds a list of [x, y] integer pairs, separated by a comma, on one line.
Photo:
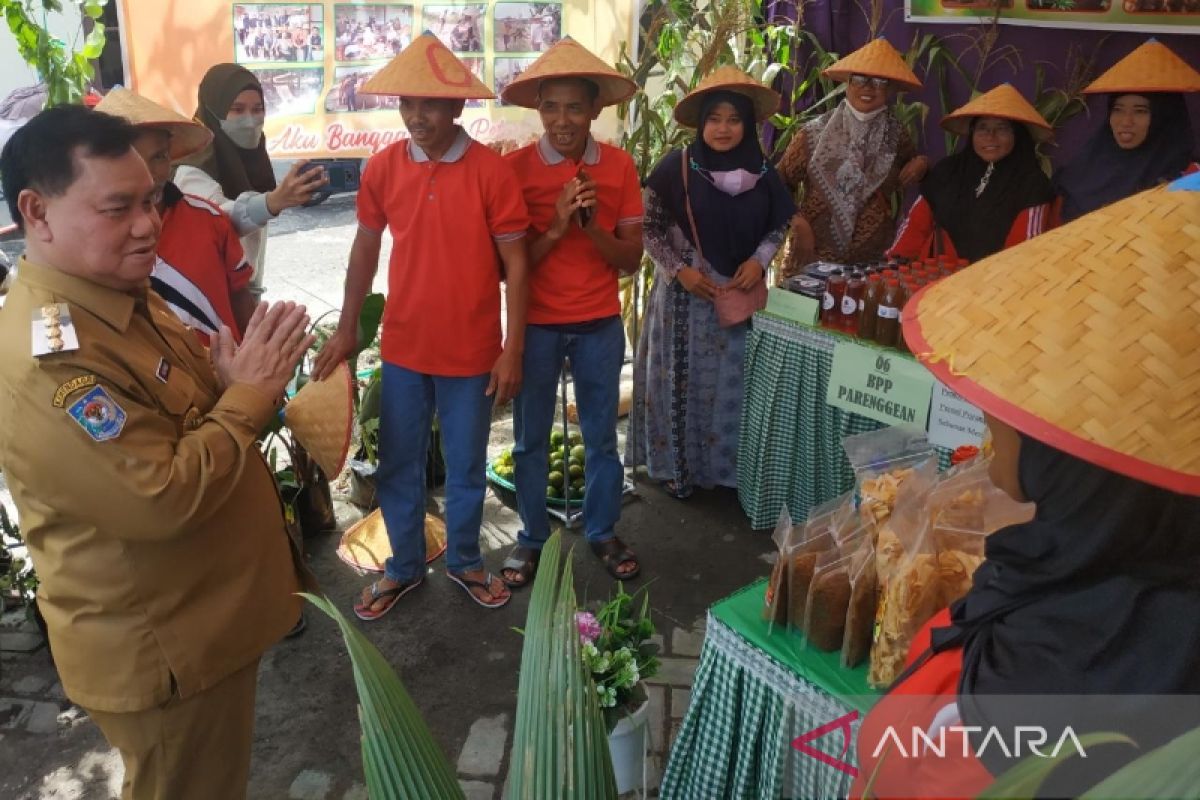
{"points": [[558, 465], [577, 483], [577, 452], [556, 438], [555, 479], [564, 452], [575, 438], [552, 491], [576, 471], [577, 494], [505, 472]]}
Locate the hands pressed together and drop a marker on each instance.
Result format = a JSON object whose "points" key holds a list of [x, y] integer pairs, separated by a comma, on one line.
{"points": [[276, 339]]}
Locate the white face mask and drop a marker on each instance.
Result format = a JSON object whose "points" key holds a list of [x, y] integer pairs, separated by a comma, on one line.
{"points": [[735, 181], [245, 131]]}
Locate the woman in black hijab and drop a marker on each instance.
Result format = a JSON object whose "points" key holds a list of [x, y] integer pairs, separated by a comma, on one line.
{"points": [[1145, 140], [990, 195], [688, 376], [235, 172]]}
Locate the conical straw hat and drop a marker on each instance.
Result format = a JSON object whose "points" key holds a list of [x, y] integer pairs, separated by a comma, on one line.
{"points": [[878, 59], [187, 136], [365, 544], [568, 59], [729, 79], [1003, 102], [321, 416], [1152, 67], [427, 68], [1086, 338]]}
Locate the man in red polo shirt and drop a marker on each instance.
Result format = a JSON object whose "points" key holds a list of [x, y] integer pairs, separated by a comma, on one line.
{"points": [[201, 271], [452, 206], [586, 207]]}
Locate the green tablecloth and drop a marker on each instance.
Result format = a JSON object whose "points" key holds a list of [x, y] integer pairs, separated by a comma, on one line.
{"points": [[755, 691], [790, 447]]}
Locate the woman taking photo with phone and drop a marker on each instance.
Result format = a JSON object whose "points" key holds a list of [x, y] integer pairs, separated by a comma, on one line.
{"points": [[235, 172]]}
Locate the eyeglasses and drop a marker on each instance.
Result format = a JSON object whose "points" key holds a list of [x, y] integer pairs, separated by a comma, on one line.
{"points": [[864, 80]]}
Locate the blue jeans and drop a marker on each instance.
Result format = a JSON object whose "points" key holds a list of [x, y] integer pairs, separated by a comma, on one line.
{"points": [[464, 415], [596, 359]]}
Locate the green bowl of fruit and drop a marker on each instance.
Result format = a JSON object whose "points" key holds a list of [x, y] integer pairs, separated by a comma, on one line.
{"points": [[565, 474]]}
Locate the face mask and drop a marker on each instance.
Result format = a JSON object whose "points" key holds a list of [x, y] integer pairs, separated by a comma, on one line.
{"points": [[735, 181], [246, 132]]}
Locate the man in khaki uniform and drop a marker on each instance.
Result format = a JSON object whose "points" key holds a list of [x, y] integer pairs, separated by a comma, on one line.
{"points": [[151, 516]]}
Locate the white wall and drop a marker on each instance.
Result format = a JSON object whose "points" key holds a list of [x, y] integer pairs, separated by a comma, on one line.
{"points": [[14, 72]]}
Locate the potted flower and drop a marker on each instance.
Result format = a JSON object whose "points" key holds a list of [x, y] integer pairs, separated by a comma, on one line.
{"points": [[617, 650]]}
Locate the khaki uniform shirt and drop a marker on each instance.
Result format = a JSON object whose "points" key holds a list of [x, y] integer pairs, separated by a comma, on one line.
{"points": [[151, 516]]}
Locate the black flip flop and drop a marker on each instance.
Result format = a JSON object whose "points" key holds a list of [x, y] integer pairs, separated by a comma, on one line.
{"points": [[614, 553], [524, 562]]}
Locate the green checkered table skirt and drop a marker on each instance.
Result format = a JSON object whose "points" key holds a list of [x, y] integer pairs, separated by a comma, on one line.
{"points": [[790, 449], [748, 704]]}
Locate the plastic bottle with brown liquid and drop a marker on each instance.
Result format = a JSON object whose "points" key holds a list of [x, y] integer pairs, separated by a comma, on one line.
{"points": [[888, 313], [870, 309], [831, 303], [852, 302]]}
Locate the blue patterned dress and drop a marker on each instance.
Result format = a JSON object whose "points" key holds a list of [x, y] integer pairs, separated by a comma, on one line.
{"points": [[688, 372]]}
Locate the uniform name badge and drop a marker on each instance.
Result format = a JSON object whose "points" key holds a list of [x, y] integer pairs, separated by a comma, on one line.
{"points": [[52, 330], [98, 414]]}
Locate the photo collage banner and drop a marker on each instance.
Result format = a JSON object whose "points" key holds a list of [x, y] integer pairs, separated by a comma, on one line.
{"points": [[1146, 16]]}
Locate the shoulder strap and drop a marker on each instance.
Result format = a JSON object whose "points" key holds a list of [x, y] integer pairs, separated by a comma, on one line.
{"points": [[687, 203]]}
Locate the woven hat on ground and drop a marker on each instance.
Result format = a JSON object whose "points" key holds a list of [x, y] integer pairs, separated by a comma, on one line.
{"points": [[877, 59], [568, 59], [321, 417], [729, 79], [1003, 102], [1152, 67], [427, 68], [365, 544], [187, 136], [1086, 338]]}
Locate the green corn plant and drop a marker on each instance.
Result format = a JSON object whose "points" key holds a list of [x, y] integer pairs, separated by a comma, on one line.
{"points": [[560, 742], [400, 756]]}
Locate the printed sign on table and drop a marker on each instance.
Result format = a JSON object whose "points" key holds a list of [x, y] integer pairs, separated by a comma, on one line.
{"points": [[953, 422], [879, 384]]}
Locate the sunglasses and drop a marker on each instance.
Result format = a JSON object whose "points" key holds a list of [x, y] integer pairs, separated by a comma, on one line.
{"points": [[864, 80]]}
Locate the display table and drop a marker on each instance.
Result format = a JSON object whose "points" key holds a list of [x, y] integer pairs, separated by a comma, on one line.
{"points": [[756, 690], [790, 449]]}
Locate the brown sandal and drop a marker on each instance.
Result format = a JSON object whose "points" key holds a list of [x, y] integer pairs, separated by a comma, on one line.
{"points": [[365, 612], [614, 553]]}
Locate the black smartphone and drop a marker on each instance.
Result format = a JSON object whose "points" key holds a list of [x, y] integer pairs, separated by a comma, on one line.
{"points": [[585, 212]]}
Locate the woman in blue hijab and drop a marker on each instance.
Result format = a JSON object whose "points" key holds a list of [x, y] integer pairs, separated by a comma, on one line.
{"points": [[716, 213]]}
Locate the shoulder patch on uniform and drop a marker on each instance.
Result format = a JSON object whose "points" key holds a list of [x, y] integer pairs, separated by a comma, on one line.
{"points": [[72, 386], [98, 414]]}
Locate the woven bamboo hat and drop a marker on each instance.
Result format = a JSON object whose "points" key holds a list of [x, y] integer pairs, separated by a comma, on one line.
{"points": [[1004, 102], [321, 417], [877, 59], [427, 68], [1086, 338], [568, 59], [365, 544], [729, 79], [1152, 67], [187, 136]]}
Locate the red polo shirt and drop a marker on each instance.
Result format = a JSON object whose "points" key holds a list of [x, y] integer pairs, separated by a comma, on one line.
{"points": [[443, 309], [200, 263], [574, 283]]}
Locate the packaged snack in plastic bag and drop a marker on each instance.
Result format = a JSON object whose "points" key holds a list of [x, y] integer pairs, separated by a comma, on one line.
{"points": [[786, 537], [860, 614], [829, 593], [909, 588], [882, 460], [815, 538]]}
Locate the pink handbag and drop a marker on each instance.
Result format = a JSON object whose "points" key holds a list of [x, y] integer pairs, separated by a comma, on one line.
{"points": [[733, 306]]}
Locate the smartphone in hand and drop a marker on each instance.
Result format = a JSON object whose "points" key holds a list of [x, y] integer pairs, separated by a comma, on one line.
{"points": [[585, 212]]}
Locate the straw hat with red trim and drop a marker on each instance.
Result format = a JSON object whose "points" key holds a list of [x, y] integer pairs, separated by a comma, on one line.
{"points": [[1086, 338], [321, 417], [568, 59], [1152, 67], [727, 79], [365, 544], [187, 136], [876, 59], [1003, 102], [427, 68]]}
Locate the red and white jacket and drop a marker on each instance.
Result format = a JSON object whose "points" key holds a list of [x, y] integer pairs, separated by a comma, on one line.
{"points": [[915, 239]]}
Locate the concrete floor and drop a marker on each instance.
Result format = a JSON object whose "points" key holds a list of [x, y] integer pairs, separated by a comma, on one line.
{"points": [[459, 661]]}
